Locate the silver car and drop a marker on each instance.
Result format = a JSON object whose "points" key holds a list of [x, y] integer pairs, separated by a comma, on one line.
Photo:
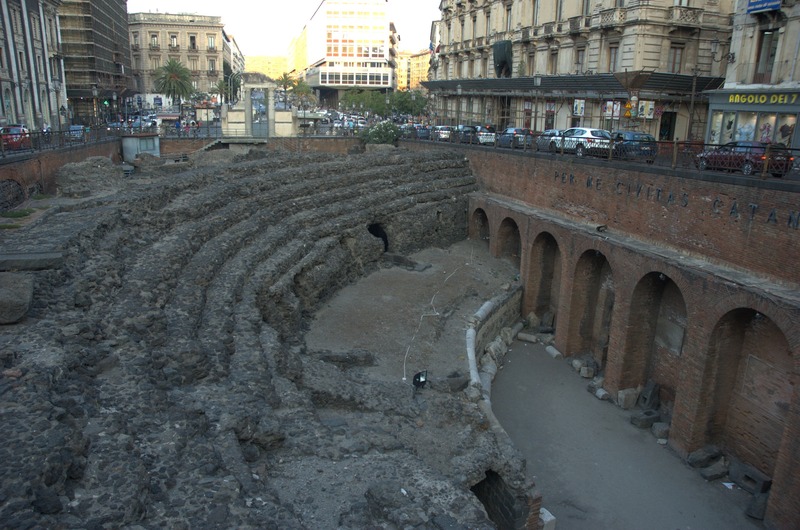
{"points": [[584, 141], [546, 140]]}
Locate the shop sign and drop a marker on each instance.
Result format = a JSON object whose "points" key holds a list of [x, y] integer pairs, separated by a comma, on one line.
{"points": [[764, 99], [755, 6]]}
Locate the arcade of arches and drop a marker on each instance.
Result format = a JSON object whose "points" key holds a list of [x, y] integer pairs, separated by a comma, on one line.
{"points": [[726, 358]]}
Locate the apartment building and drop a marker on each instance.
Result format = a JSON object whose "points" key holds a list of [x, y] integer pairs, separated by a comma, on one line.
{"points": [[761, 96], [31, 70], [615, 64], [346, 44], [197, 41], [96, 58]]}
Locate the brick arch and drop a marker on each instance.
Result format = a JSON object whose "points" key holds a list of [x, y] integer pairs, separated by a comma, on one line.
{"points": [[750, 367], [543, 284], [509, 241], [591, 307], [479, 229], [656, 333]]}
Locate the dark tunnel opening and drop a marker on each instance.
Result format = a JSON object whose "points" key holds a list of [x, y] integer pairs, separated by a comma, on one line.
{"points": [[377, 230]]}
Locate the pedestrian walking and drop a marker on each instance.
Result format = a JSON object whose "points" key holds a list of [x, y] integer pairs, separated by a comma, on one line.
{"points": [[178, 127]]}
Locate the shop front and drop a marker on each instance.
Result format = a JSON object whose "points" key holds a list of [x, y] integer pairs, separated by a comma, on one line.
{"points": [[753, 115]]}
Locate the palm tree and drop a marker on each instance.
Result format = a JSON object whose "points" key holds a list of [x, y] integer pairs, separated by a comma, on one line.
{"points": [[302, 91], [221, 88], [286, 82], [174, 80]]}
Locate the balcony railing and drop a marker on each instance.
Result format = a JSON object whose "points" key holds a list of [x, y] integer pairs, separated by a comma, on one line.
{"points": [[548, 29], [174, 47], [135, 47], [192, 47], [576, 24], [212, 48], [686, 16], [154, 46], [612, 17], [213, 73]]}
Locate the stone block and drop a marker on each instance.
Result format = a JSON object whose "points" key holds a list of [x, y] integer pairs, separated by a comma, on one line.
{"points": [[547, 520], [16, 296], [553, 352], [626, 399], [660, 429], [648, 399], [703, 457], [715, 471], [602, 395], [645, 419], [587, 372], [533, 321], [527, 337], [577, 364], [748, 478], [758, 506]]}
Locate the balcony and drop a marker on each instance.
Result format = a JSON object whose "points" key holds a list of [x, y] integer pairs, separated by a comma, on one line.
{"points": [[548, 29], [192, 47], [579, 24], [478, 42], [174, 47], [686, 17], [213, 73], [212, 49], [195, 72], [610, 18], [155, 46], [135, 47], [526, 35]]}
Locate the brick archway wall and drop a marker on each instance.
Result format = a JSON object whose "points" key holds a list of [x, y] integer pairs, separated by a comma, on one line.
{"points": [[543, 284]]}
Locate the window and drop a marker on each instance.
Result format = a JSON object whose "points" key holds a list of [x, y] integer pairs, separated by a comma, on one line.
{"points": [[613, 52], [488, 23], [135, 39], [462, 35], [559, 10], [580, 59], [586, 10], [619, 3], [531, 63], [193, 66], [154, 40], [2, 59], [767, 49], [474, 27], [682, 3], [675, 59], [552, 63], [173, 41], [211, 42], [192, 42], [155, 63], [508, 18], [212, 65]]}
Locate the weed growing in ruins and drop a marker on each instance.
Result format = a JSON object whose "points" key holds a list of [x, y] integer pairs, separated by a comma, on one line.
{"points": [[384, 132]]}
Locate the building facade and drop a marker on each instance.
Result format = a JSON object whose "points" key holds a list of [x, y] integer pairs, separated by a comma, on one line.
{"points": [[197, 41], [32, 90], [346, 44], [615, 64], [761, 96], [96, 55], [272, 66]]}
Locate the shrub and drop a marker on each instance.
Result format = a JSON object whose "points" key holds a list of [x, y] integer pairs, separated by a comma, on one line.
{"points": [[384, 132]]}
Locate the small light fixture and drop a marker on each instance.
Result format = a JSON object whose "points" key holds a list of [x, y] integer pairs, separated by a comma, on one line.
{"points": [[729, 57], [420, 378]]}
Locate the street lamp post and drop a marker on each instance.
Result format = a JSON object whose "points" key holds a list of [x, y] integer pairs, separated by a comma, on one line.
{"points": [[414, 106], [114, 106], [458, 106], [386, 112], [94, 104]]}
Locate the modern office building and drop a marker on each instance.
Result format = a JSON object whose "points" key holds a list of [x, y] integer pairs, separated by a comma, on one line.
{"points": [[613, 64], [272, 66], [32, 89], [96, 58], [346, 44], [197, 41]]}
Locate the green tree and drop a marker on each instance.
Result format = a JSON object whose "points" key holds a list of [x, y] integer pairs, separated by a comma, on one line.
{"points": [[175, 81], [303, 93], [221, 88], [286, 82]]}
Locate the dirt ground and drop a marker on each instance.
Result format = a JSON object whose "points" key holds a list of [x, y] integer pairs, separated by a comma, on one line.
{"points": [[418, 316]]}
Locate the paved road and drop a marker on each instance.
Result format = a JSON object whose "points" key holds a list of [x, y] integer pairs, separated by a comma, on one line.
{"points": [[595, 470]]}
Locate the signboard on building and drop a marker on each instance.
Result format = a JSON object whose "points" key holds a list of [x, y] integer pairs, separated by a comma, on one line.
{"points": [[578, 106], [756, 6]]}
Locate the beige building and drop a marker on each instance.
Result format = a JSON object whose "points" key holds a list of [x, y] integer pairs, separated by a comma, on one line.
{"points": [[602, 63], [761, 97], [272, 66], [346, 44], [197, 41]]}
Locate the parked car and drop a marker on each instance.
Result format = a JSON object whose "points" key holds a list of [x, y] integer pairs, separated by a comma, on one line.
{"points": [[15, 137], [546, 142], [515, 137], [485, 135], [467, 135], [423, 132], [748, 157], [441, 133], [584, 141], [631, 145]]}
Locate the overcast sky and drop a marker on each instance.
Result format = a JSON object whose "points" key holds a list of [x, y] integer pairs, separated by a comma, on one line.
{"points": [[267, 27]]}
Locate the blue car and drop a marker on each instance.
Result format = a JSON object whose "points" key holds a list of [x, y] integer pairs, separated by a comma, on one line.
{"points": [[633, 145], [515, 138]]}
